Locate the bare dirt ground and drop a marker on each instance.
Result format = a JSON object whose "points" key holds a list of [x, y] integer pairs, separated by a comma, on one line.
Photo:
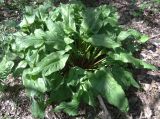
{"points": [[144, 103]]}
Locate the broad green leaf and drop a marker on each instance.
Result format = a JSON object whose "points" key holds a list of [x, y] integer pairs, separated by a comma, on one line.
{"points": [[56, 65], [19, 69], [29, 10], [88, 98], [105, 10], [22, 64], [134, 33], [61, 93], [128, 58], [55, 40], [29, 17], [55, 27], [123, 35], [76, 79], [33, 84], [42, 11], [68, 40], [38, 85], [54, 14], [112, 19], [32, 57], [28, 41], [39, 33], [54, 81], [5, 64], [143, 38], [38, 109], [70, 108], [55, 37], [91, 22], [123, 77], [27, 20], [137, 35], [54, 56], [75, 75], [103, 40], [10, 56], [51, 63], [67, 13], [1, 1], [103, 82]]}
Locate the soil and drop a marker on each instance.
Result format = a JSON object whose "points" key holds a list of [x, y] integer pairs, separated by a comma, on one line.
{"points": [[144, 103]]}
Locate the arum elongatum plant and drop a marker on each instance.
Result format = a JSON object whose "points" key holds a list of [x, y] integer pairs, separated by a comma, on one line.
{"points": [[72, 54]]}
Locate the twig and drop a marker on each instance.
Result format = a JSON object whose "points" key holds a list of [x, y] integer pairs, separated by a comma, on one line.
{"points": [[78, 116], [140, 117], [56, 116], [155, 36], [106, 113]]}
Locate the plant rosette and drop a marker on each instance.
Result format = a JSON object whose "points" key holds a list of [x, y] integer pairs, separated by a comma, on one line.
{"points": [[72, 54]]}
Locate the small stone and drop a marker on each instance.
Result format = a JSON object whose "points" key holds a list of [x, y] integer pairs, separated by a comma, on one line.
{"points": [[147, 112], [146, 87]]}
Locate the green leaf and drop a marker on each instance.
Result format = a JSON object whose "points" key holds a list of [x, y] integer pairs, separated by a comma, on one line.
{"points": [[55, 26], [27, 41], [54, 81], [19, 69], [55, 40], [5, 64], [112, 19], [10, 56], [42, 11], [22, 64], [75, 75], [33, 84], [130, 32], [67, 12], [1, 1], [77, 79], [61, 93], [29, 17], [5, 68], [29, 10], [68, 40], [88, 98], [124, 78], [143, 38], [134, 33], [70, 108], [32, 57], [57, 65], [56, 37], [91, 22], [105, 10], [39, 33], [103, 40], [123, 35], [51, 63], [38, 109], [128, 58], [37, 85], [54, 14], [103, 82]]}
